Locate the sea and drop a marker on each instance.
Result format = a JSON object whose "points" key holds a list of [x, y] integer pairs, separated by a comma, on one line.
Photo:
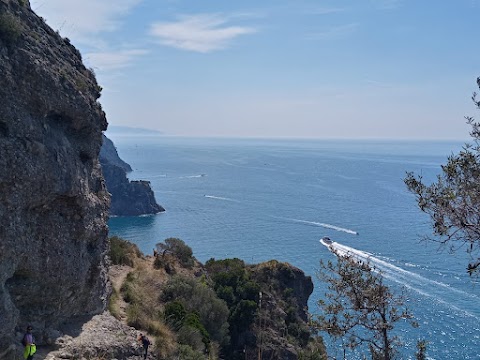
{"points": [[263, 199]]}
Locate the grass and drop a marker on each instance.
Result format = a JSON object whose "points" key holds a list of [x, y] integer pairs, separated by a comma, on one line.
{"points": [[10, 28], [123, 252], [113, 304], [141, 290]]}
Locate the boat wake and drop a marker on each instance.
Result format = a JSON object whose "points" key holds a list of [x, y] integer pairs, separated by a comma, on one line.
{"points": [[219, 198], [192, 176], [416, 282], [324, 225]]}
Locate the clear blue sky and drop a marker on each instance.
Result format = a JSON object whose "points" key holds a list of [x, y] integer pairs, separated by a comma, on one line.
{"points": [[334, 69]]}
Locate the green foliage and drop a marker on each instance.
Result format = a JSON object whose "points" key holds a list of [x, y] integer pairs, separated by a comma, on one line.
{"points": [[175, 314], [186, 352], [123, 252], [192, 320], [227, 294], [233, 283], [360, 309], [164, 262], [179, 249], [453, 201], [128, 290], [196, 297], [243, 315], [10, 28]]}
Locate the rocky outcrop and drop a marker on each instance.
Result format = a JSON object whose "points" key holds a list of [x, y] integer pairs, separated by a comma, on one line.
{"points": [[109, 155], [129, 198], [281, 329], [101, 337], [53, 202]]}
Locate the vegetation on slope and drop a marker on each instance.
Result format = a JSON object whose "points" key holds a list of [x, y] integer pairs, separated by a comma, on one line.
{"points": [[225, 309]]}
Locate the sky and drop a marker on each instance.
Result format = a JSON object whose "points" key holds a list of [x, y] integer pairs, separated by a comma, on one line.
{"points": [[387, 69]]}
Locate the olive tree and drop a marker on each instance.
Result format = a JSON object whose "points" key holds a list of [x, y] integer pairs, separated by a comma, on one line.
{"points": [[453, 201]]}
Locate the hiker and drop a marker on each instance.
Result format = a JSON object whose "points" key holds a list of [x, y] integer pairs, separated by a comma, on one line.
{"points": [[29, 342], [145, 343]]}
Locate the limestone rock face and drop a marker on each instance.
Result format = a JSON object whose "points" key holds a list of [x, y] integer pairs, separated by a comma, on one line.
{"points": [[53, 202], [129, 198]]}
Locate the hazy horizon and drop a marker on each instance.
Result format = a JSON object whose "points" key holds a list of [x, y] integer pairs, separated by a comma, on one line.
{"points": [[374, 69]]}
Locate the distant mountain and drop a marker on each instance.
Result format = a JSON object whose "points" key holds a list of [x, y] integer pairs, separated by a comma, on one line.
{"points": [[127, 130]]}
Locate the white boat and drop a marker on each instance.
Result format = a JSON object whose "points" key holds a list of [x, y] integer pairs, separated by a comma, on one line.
{"points": [[326, 241]]}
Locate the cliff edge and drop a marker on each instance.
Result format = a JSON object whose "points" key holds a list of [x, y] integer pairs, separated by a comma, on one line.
{"points": [[53, 202], [128, 198]]}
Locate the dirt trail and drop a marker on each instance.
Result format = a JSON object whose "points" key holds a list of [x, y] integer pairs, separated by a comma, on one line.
{"points": [[117, 275]]}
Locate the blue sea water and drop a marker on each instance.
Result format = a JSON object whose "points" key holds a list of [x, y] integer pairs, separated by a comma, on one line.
{"points": [[274, 199]]}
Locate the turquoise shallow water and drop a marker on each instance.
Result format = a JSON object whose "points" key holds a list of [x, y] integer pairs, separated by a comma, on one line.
{"points": [[274, 199]]}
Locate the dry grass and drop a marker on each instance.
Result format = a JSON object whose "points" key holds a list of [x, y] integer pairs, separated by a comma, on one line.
{"points": [[135, 299]]}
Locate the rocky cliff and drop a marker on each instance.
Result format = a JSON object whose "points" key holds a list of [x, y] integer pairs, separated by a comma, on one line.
{"points": [[129, 198], [109, 155], [53, 202]]}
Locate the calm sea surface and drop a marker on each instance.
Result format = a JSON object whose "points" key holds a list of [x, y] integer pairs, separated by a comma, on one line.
{"points": [[274, 199]]}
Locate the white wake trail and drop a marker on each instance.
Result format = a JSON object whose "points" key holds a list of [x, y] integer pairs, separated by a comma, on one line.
{"points": [[219, 198], [411, 280], [192, 176], [324, 225]]}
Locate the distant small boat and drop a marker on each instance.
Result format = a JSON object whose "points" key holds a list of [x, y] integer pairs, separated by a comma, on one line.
{"points": [[326, 241]]}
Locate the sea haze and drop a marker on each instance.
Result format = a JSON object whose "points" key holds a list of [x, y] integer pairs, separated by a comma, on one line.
{"points": [[274, 199]]}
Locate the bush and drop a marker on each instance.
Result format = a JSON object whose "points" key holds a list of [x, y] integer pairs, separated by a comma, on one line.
{"points": [[123, 252], [179, 249], [197, 297], [185, 352], [163, 262], [175, 314], [128, 289], [10, 28]]}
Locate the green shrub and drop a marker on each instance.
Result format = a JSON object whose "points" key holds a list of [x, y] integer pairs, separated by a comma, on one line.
{"points": [[10, 28], [192, 320], [163, 262], [179, 249], [227, 294], [175, 314], [128, 291], [123, 252], [197, 297], [243, 315], [134, 317], [185, 352]]}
